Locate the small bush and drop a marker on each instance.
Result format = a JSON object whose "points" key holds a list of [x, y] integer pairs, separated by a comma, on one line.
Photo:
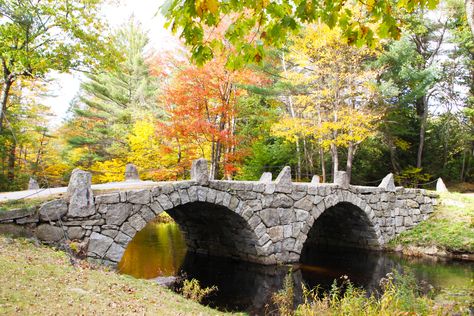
{"points": [[192, 290], [283, 299]]}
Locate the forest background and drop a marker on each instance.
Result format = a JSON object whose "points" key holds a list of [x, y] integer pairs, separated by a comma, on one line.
{"points": [[324, 100]]}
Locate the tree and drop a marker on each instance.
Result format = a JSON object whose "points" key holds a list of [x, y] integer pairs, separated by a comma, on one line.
{"points": [[257, 24], [113, 100], [202, 105], [335, 94], [40, 36]]}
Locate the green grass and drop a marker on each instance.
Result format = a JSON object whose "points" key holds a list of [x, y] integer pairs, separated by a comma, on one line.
{"points": [[37, 280], [23, 203], [400, 295], [450, 228]]}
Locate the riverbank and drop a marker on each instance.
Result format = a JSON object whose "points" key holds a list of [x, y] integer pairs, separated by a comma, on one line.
{"points": [[448, 233], [39, 280]]}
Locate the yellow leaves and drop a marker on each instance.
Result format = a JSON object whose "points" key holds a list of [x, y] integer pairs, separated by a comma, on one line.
{"points": [[203, 6], [292, 128]]}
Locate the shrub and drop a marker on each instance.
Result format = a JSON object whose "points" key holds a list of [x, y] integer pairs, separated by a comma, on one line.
{"points": [[192, 290]]}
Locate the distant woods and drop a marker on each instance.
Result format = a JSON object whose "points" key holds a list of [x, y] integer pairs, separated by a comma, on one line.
{"points": [[319, 103]]}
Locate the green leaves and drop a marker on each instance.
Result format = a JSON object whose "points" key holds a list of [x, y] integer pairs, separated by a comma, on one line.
{"points": [[274, 21]]}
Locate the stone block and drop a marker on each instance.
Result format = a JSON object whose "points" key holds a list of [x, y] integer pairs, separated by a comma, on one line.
{"points": [[284, 177], [147, 214], [33, 184], [276, 233], [131, 173], [175, 198], [49, 233], [315, 180], [254, 221], [98, 245], [137, 222], [122, 239], [440, 186], [301, 215], [269, 188], [200, 171], [107, 198], [282, 200], [287, 216], [270, 217], [139, 197], [114, 253], [116, 214], [305, 203], [79, 194], [266, 177], [15, 214], [128, 229], [165, 202], [341, 179], [388, 183], [75, 233], [156, 208]]}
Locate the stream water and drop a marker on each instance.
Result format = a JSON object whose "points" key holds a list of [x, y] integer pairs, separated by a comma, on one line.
{"points": [[160, 250]]}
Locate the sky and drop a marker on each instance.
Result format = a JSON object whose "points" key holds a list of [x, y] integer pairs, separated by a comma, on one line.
{"points": [[64, 87]]}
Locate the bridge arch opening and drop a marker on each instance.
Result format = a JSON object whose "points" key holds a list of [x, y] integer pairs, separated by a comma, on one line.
{"points": [[205, 228], [214, 230], [341, 227]]}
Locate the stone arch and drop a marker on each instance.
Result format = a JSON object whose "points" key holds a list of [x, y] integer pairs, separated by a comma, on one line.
{"points": [[360, 213], [214, 222]]}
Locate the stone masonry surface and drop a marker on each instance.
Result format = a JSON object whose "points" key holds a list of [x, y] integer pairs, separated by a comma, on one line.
{"points": [[259, 221]]}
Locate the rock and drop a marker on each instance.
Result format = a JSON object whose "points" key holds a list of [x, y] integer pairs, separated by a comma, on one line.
{"points": [[266, 177], [139, 197], [270, 217], [440, 186], [98, 245], [315, 180], [15, 230], [53, 210], [388, 183], [116, 214], [284, 178], [75, 232], [200, 171], [49, 233], [168, 281], [341, 178], [131, 172], [114, 253], [33, 184], [17, 213], [79, 194]]}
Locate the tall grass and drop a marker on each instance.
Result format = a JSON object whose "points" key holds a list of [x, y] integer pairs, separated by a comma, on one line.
{"points": [[399, 295]]}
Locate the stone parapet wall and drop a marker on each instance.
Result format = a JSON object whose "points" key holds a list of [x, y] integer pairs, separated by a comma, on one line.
{"points": [[258, 221]]}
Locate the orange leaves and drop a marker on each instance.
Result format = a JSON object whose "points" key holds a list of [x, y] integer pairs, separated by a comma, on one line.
{"points": [[202, 106]]}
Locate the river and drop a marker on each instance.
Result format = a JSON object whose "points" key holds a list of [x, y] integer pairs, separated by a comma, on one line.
{"points": [[160, 250]]}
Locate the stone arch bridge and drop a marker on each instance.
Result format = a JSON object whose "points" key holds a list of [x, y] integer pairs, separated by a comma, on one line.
{"points": [[262, 221]]}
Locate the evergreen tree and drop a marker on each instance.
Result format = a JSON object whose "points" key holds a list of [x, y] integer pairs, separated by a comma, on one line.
{"points": [[111, 101]]}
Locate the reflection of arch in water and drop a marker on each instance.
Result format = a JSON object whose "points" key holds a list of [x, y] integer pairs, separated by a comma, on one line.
{"points": [[158, 249]]}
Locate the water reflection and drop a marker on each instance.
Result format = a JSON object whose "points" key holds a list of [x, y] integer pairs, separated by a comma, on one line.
{"points": [[160, 250]]}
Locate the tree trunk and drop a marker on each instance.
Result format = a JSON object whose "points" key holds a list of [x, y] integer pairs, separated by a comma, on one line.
{"points": [[351, 150], [335, 160], [469, 5], [422, 111], [11, 162], [323, 166], [4, 100]]}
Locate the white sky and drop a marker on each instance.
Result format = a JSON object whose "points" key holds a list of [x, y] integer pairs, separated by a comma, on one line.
{"points": [[66, 86]]}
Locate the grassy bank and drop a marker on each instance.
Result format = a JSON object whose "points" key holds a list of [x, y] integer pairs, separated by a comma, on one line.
{"points": [[450, 230], [37, 280]]}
